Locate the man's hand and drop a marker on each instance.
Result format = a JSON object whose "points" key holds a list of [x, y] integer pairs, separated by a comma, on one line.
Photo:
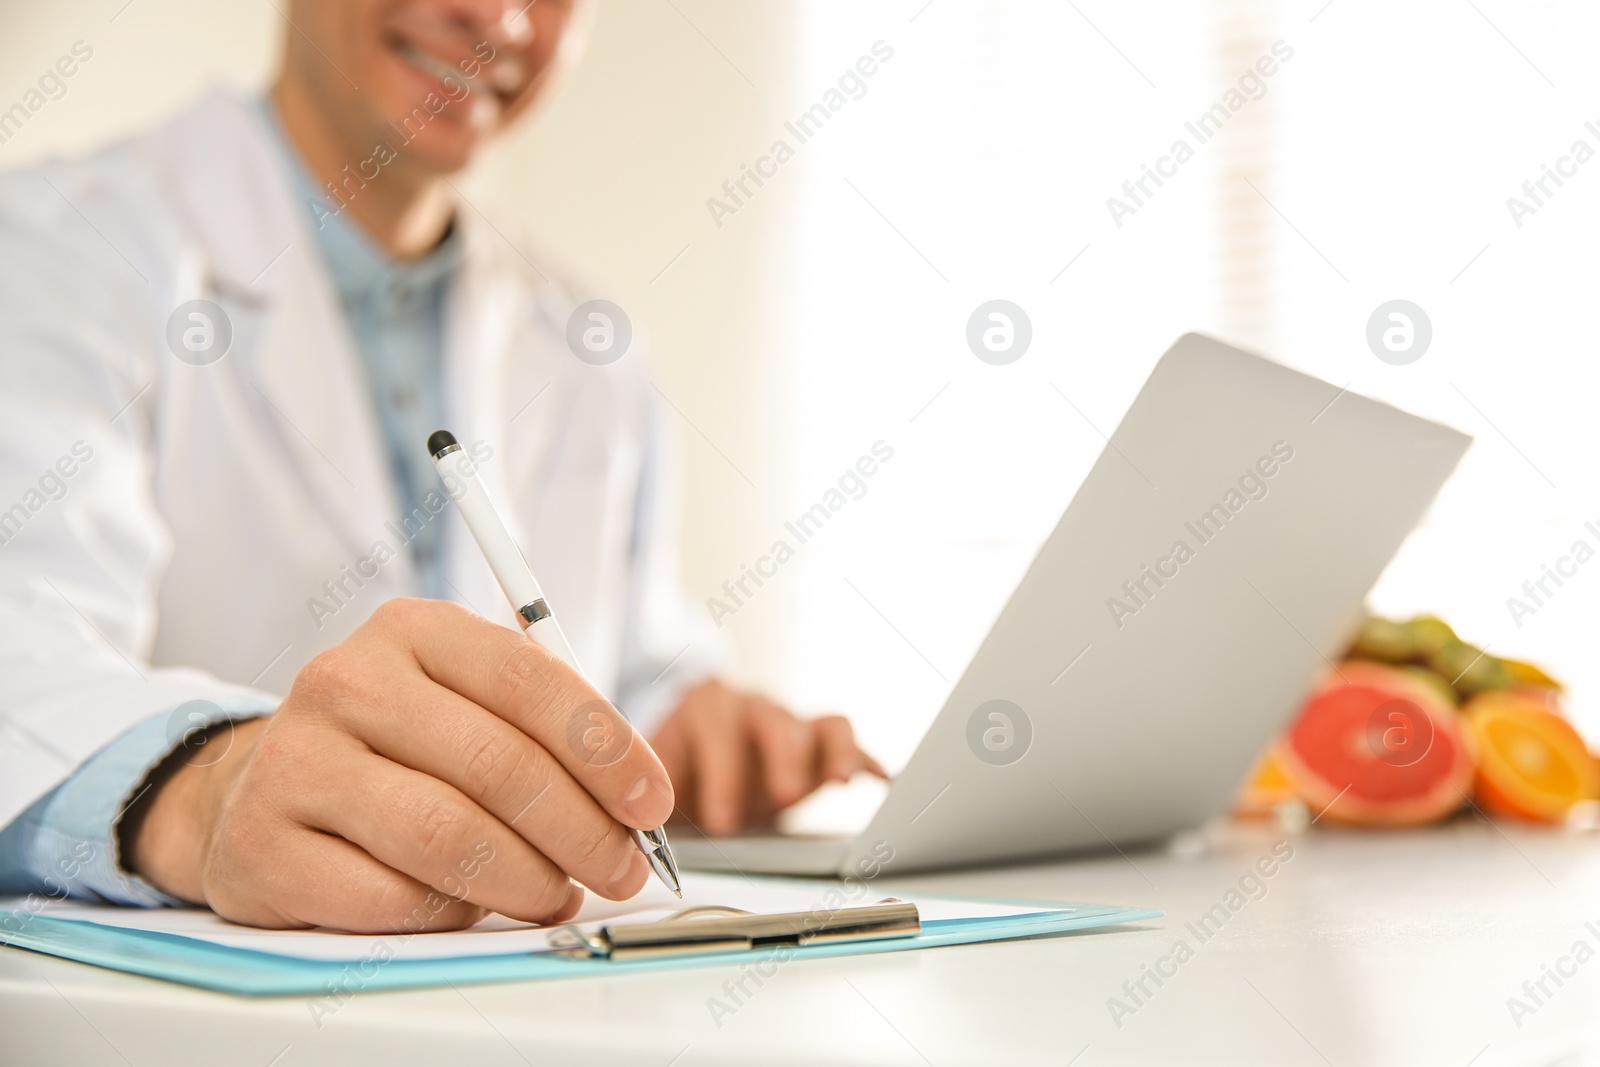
{"points": [[431, 767], [736, 759]]}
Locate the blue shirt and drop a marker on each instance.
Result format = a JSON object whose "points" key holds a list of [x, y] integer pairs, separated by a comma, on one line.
{"points": [[395, 310], [66, 843]]}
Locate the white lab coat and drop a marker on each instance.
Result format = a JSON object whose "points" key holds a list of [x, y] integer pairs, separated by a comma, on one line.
{"points": [[181, 559]]}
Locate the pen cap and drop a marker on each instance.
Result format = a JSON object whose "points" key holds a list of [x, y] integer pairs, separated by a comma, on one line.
{"points": [[460, 475]]}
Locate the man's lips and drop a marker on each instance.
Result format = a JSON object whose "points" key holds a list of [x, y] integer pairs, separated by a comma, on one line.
{"points": [[438, 69], [488, 58], [485, 99], [442, 33], [503, 77]]}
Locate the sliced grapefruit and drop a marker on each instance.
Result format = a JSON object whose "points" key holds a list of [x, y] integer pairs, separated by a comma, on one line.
{"points": [[1376, 746], [1531, 762]]}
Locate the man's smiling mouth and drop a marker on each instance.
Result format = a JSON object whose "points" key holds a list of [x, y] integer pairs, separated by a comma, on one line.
{"points": [[484, 90]]}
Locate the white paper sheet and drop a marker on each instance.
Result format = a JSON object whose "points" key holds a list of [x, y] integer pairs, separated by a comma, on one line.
{"points": [[498, 935]]}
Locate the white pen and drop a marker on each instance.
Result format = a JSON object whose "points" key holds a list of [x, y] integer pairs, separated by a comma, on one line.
{"points": [[516, 580]]}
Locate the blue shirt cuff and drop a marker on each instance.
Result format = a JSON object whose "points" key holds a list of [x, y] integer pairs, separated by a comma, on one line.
{"points": [[66, 845]]}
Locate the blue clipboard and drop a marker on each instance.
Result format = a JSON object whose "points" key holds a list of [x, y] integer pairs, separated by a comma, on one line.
{"points": [[191, 961]]}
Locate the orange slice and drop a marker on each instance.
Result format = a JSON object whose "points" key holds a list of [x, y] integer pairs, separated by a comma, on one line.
{"points": [[1531, 762], [1265, 787]]}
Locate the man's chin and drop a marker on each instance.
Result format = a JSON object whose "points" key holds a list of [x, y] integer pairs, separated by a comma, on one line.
{"points": [[437, 148]]}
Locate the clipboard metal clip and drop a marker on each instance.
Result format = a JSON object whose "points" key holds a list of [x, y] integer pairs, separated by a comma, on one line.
{"points": [[696, 931]]}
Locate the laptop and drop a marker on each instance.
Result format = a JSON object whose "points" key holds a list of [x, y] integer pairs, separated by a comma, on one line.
{"points": [[1207, 570]]}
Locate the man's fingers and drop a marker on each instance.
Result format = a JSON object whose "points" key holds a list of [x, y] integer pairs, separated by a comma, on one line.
{"points": [[720, 759], [310, 878], [535, 691], [430, 832], [430, 729], [838, 758], [742, 757], [788, 751], [672, 747]]}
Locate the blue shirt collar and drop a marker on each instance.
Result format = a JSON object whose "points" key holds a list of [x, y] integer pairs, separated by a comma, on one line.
{"points": [[360, 268]]}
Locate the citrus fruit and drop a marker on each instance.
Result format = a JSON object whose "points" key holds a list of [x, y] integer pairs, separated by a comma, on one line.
{"points": [[1265, 787], [1376, 746], [1531, 762], [1524, 673]]}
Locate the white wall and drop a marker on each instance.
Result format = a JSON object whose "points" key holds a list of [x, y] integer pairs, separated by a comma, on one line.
{"points": [[614, 178]]}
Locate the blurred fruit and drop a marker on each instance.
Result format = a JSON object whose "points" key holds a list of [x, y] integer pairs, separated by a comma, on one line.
{"points": [[1428, 642], [1265, 787], [1468, 668], [1531, 762], [1431, 679], [1522, 673], [1385, 734], [1431, 634], [1376, 746], [1385, 640], [1539, 696]]}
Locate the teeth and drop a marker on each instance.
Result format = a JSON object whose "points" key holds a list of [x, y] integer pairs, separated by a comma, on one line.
{"points": [[438, 68]]}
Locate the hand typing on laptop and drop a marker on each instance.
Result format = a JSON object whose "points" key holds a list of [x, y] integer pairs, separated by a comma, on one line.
{"points": [[737, 759]]}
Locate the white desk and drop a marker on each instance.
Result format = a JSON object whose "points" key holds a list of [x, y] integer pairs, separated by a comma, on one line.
{"points": [[1366, 950]]}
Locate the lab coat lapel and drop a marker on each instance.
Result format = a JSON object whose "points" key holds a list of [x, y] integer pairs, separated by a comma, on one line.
{"points": [[304, 372], [503, 390]]}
